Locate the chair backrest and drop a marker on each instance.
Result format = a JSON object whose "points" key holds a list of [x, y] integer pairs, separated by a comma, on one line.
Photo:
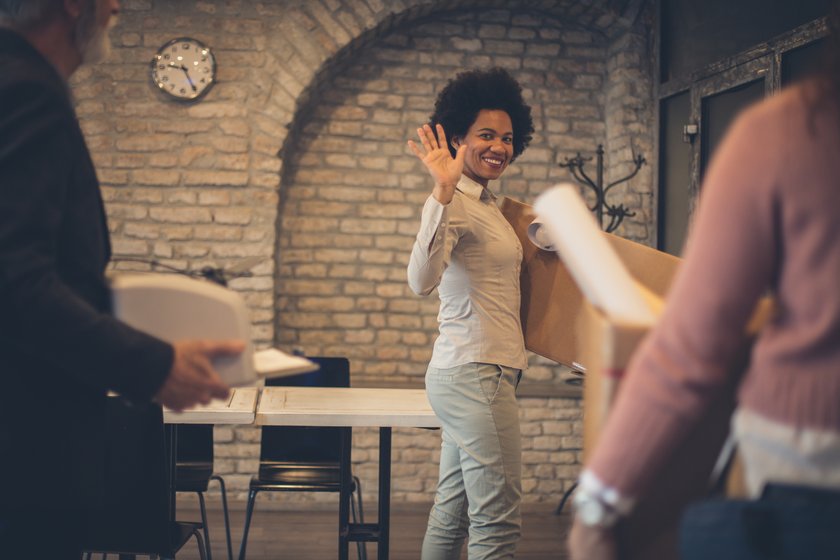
{"points": [[305, 444], [195, 443], [136, 514]]}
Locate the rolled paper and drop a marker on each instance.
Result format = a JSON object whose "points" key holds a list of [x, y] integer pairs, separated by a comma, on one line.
{"points": [[539, 236], [590, 259]]}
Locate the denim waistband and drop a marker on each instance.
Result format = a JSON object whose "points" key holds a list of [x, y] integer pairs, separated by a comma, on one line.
{"points": [[776, 491]]}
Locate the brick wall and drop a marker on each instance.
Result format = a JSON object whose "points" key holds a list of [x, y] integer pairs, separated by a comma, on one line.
{"points": [[298, 156]]}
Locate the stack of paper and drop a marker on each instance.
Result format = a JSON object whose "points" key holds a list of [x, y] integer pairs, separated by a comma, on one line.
{"points": [[175, 308], [274, 363]]}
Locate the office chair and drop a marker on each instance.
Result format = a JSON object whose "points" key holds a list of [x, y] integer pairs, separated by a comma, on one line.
{"points": [[303, 459], [194, 471], [136, 518]]}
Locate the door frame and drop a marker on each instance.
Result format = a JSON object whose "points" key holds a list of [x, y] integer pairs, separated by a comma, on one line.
{"points": [[761, 61], [761, 68]]}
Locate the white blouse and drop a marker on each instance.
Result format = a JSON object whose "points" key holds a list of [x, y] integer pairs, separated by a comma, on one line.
{"points": [[776, 452], [469, 251]]}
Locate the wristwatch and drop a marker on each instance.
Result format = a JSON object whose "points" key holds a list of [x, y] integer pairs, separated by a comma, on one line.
{"points": [[599, 505], [592, 511]]}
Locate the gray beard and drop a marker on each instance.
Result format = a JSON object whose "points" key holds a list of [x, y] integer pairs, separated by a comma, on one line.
{"points": [[97, 49], [93, 42]]}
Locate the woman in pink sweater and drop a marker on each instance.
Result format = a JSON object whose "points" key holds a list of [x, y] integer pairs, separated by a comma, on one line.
{"points": [[768, 222]]}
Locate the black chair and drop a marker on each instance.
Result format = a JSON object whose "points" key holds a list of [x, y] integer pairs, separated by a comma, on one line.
{"points": [[303, 459], [194, 471], [136, 518]]}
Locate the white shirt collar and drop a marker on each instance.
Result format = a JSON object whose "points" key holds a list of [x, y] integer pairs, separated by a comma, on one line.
{"points": [[473, 189]]}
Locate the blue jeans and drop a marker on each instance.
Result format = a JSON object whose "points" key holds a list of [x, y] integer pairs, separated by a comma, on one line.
{"points": [[479, 489], [786, 523]]}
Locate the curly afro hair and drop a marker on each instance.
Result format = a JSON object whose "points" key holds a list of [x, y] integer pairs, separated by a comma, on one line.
{"points": [[458, 104]]}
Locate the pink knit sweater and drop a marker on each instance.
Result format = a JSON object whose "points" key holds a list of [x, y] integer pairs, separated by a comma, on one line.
{"points": [[768, 221]]}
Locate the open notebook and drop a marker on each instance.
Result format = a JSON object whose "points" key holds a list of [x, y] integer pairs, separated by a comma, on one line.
{"points": [[173, 307], [571, 230]]}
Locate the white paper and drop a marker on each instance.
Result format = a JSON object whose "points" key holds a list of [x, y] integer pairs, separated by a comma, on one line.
{"points": [[274, 363], [173, 308], [596, 268]]}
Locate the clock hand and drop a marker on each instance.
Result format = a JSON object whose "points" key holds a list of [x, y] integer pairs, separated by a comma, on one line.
{"points": [[186, 73]]}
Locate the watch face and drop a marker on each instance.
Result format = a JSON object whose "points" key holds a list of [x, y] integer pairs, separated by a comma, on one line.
{"points": [[590, 512], [184, 68]]}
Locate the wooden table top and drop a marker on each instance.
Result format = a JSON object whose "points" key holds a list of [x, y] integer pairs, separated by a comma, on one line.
{"points": [[238, 408], [349, 407]]}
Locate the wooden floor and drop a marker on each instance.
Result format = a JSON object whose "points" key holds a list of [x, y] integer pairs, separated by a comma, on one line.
{"points": [[312, 535]]}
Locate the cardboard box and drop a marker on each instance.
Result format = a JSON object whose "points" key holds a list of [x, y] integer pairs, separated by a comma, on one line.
{"points": [[650, 532], [560, 324], [551, 301]]}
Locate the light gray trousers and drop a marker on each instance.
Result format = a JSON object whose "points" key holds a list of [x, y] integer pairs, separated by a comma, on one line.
{"points": [[479, 489]]}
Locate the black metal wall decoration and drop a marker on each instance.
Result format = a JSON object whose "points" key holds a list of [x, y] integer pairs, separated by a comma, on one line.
{"points": [[616, 213]]}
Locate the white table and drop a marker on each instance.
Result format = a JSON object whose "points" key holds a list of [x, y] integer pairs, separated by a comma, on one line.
{"points": [[238, 408], [348, 408], [345, 406]]}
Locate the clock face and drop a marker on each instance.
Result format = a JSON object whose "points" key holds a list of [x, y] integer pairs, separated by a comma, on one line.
{"points": [[184, 68]]}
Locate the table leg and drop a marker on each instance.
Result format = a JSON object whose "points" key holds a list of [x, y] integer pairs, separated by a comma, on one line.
{"points": [[344, 494], [384, 492], [172, 452]]}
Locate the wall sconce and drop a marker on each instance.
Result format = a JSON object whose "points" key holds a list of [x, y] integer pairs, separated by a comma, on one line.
{"points": [[689, 132]]}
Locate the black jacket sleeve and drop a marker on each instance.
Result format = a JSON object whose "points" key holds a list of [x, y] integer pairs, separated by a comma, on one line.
{"points": [[54, 303]]}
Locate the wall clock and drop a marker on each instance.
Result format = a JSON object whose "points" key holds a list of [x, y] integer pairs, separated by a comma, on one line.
{"points": [[184, 68]]}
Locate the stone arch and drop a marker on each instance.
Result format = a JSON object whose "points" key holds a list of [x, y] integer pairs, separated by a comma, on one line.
{"points": [[598, 19], [606, 16]]}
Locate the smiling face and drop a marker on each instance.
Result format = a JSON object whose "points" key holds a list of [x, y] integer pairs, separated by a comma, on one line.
{"points": [[489, 144]]}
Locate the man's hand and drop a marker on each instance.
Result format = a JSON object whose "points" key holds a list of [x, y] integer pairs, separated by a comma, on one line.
{"points": [[192, 379]]}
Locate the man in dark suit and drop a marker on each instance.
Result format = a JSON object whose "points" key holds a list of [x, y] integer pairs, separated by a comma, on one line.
{"points": [[60, 348]]}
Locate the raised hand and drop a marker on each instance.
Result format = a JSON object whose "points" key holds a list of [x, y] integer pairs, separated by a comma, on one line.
{"points": [[444, 169]]}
